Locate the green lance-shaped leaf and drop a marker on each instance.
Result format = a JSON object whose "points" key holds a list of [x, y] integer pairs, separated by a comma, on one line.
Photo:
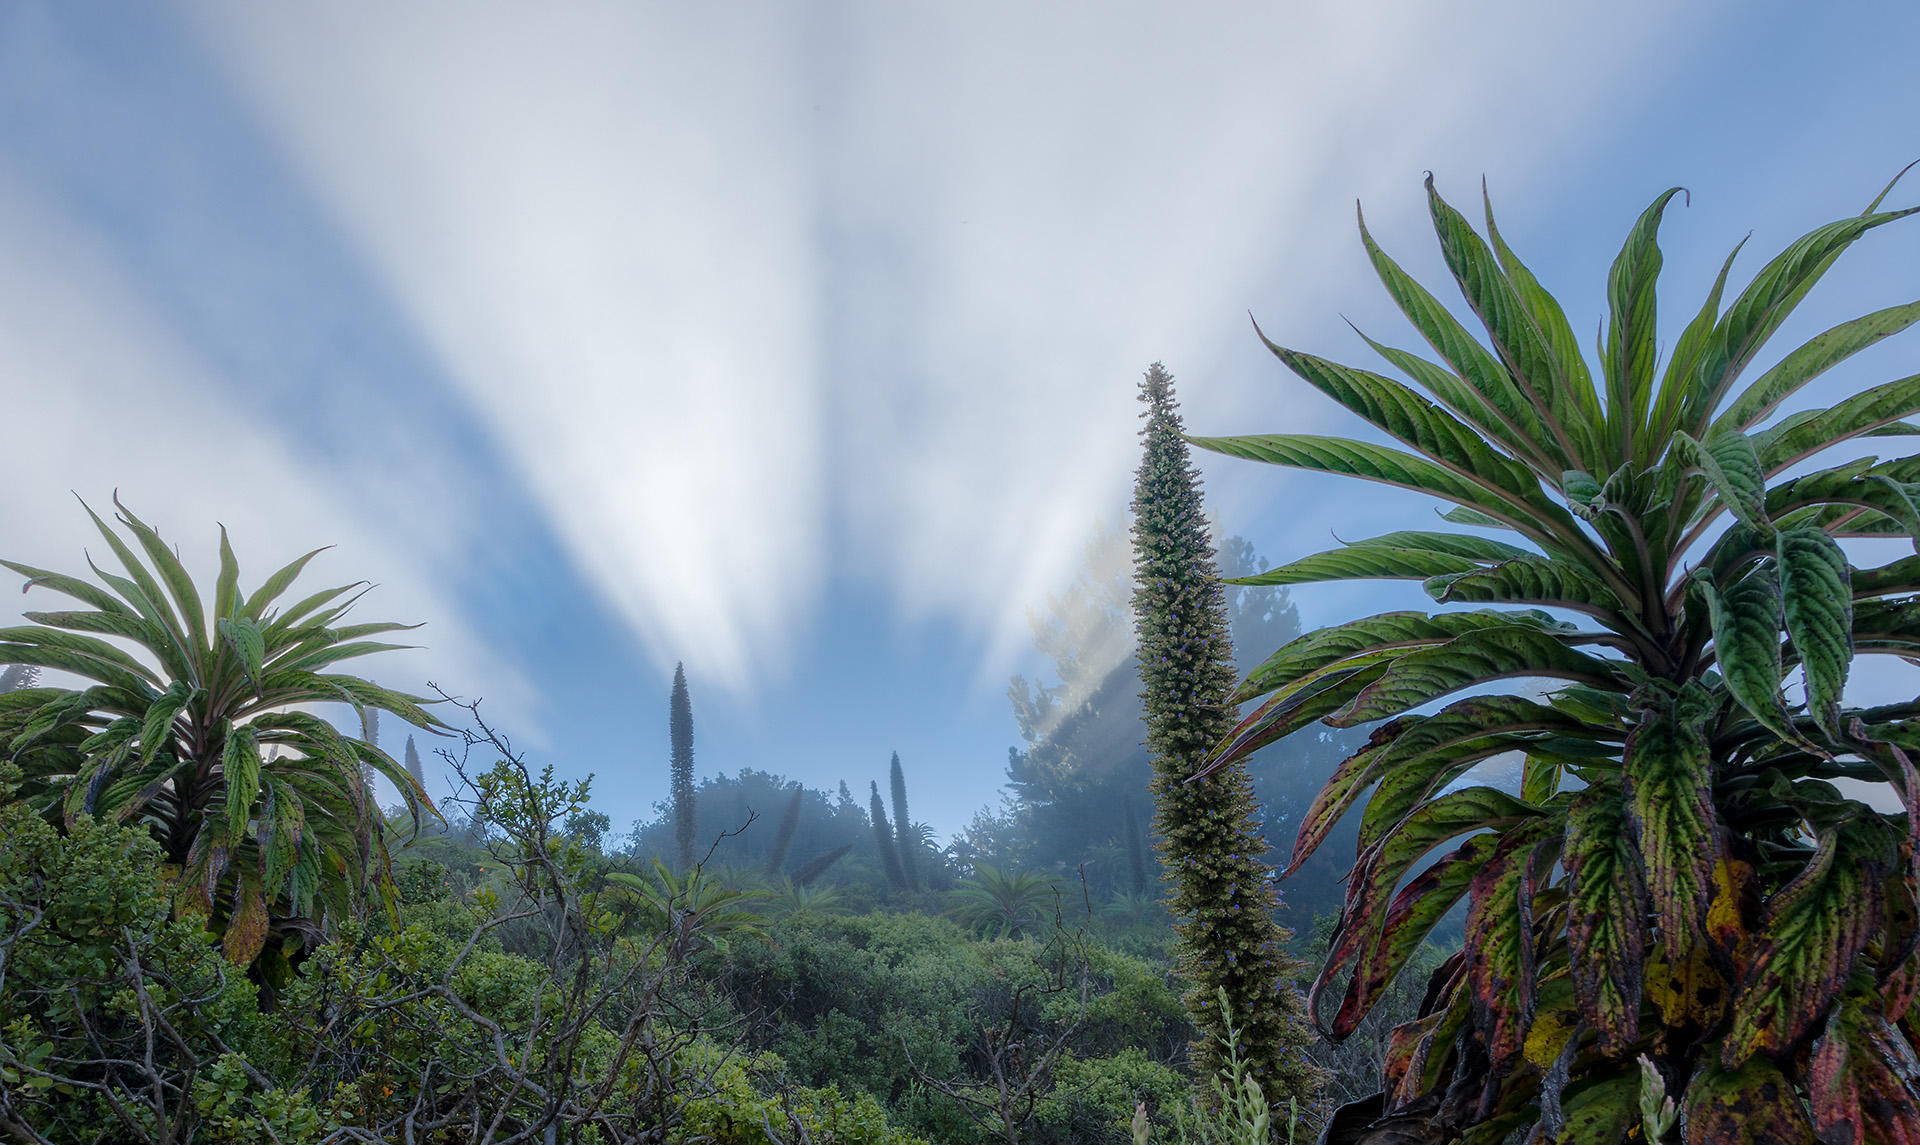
{"points": [[240, 763], [1819, 616], [70, 586], [1669, 785], [1583, 492], [86, 655], [1433, 751], [334, 653], [1363, 560], [1607, 911], [1471, 659], [1562, 345], [1746, 620], [1816, 357], [1516, 423], [156, 730], [226, 587], [1415, 911], [270, 590], [1405, 415], [1799, 437], [1899, 576], [1528, 579], [280, 832], [1458, 396], [179, 585], [144, 593], [1897, 499], [1628, 361], [248, 642], [1812, 930], [126, 626], [1540, 776], [1732, 466], [1755, 1104], [1388, 466], [1410, 743], [1530, 361], [1677, 382], [1325, 646], [1766, 302]]}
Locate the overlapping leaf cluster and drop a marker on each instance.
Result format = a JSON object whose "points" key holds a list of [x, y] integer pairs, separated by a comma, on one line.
{"points": [[1679, 878], [191, 720]]}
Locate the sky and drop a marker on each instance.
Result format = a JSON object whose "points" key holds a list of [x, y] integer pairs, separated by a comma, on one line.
{"points": [[798, 343]]}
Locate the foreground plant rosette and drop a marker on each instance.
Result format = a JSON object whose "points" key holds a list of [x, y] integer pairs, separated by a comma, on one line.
{"points": [[1679, 880], [191, 718]]}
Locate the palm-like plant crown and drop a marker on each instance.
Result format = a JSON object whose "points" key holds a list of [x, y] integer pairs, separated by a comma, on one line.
{"points": [[1678, 878], [189, 721]]}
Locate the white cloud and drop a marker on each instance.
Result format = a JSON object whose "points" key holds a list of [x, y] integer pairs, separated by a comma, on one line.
{"points": [[1049, 199], [635, 233], [598, 218], [103, 397]]}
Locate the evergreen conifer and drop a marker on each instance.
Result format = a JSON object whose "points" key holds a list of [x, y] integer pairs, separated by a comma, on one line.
{"points": [[1222, 893], [883, 840], [680, 732], [905, 842], [783, 838], [1136, 851]]}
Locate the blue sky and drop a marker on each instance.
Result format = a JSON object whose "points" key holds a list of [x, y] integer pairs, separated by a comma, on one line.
{"points": [[798, 342]]}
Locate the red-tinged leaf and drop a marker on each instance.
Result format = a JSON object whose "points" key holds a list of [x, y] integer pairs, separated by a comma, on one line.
{"points": [[1753, 1105], [1433, 752], [247, 926], [1342, 788], [1606, 915], [1863, 1081], [1406, 785], [1814, 928], [1287, 712], [1499, 944], [1415, 910], [1427, 1062], [1669, 782], [1407, 1048], [1381, 868]]}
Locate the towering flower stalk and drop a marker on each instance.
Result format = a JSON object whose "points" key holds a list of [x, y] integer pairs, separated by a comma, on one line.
{"points": [[1222, 893]]}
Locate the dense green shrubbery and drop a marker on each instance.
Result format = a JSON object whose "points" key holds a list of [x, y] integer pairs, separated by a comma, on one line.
{"points": [[465, 1005]]}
